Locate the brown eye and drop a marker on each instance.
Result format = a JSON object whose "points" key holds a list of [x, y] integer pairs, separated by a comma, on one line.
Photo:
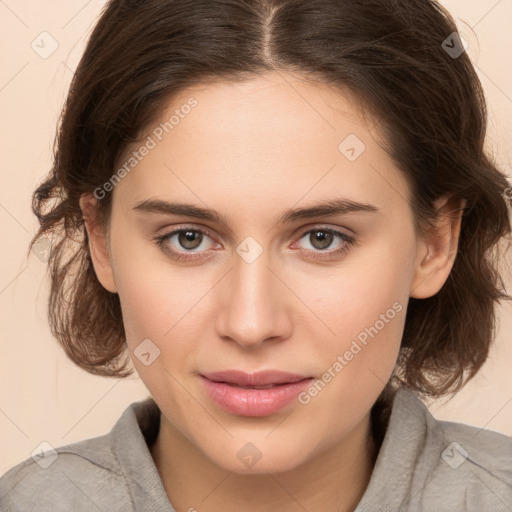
{"points": [[189, 239], [321, 239], [186, 244]]}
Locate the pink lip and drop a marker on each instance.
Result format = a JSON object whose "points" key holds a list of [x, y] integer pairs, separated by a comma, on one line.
{"points": [[224, 388]]}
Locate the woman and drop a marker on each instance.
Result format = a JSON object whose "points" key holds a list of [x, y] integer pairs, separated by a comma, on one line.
{"points": [[287, 214]]}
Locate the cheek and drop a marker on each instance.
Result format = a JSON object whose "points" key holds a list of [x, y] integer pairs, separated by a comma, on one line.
{"points": [[158, 304], [149, 296], [355, 294], [356, 362], [363, 304]]}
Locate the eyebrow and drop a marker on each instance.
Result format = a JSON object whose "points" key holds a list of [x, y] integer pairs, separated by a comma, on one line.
{"points": [[325, 208]]}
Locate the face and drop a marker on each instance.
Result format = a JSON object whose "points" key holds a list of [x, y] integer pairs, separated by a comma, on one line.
{"points": [[274, 269]]}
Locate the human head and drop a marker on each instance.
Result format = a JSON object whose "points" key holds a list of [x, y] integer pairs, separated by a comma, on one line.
{"points": [[388, 54]]}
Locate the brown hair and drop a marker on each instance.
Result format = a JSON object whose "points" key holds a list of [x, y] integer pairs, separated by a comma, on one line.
{"points": [[392, 54]]}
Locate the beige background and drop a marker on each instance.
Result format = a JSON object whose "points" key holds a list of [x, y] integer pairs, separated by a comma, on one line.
{"points": [[43, 396]]}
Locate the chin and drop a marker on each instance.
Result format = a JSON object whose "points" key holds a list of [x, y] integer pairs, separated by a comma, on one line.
{"points": [[252, 459]]}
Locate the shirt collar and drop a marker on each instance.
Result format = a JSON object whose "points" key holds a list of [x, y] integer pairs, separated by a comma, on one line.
{"points": [[411, 428], [137, 426]]}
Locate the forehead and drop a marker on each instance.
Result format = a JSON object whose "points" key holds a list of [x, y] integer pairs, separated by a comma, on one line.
{"points": [[268, 134], [275, 103]]}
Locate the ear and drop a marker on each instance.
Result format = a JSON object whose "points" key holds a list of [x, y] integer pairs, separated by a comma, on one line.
{"points": [[438, 249], [98, 243]]}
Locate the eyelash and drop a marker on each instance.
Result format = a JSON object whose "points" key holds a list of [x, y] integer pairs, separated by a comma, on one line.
{"points": [[181, 255]]}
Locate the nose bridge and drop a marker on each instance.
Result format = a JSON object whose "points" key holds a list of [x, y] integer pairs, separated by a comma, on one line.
{"points": [[252, 308]]}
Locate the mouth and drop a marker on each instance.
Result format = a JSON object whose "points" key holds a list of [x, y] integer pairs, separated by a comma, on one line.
{"points": [[258, 380], [268, 386], [253, 394]]}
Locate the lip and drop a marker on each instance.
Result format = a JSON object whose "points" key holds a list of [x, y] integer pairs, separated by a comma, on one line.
{"points": [[225, 389]]}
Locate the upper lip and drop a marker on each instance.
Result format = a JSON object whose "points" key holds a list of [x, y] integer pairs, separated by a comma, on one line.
{"points": [[261, 378]]}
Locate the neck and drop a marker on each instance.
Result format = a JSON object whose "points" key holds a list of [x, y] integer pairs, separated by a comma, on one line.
{"points": [[335, 480]]}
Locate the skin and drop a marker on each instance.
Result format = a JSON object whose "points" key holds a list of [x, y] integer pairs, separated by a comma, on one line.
{"points": [[252, 150]]}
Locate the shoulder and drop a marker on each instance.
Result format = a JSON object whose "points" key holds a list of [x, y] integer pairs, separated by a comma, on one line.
{"points": [[113, 472], [427, 464], [80, 476], [473, 465]]}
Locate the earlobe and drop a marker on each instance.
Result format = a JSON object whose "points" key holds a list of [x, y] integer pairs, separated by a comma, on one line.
{"points": [[438, 249], [98, 245]]}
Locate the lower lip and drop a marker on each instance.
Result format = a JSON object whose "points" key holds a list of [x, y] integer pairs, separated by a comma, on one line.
{"points": [[254, 402]]}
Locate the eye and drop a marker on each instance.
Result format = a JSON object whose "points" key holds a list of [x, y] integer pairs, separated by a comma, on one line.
{"points": [[321, 239], [185, 240]]}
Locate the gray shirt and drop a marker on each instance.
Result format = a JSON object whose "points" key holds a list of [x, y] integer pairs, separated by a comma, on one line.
{"points": [[423, 465]]}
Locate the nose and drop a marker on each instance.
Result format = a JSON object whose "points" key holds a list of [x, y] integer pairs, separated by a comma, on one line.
{"points": [[253, 304]]}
